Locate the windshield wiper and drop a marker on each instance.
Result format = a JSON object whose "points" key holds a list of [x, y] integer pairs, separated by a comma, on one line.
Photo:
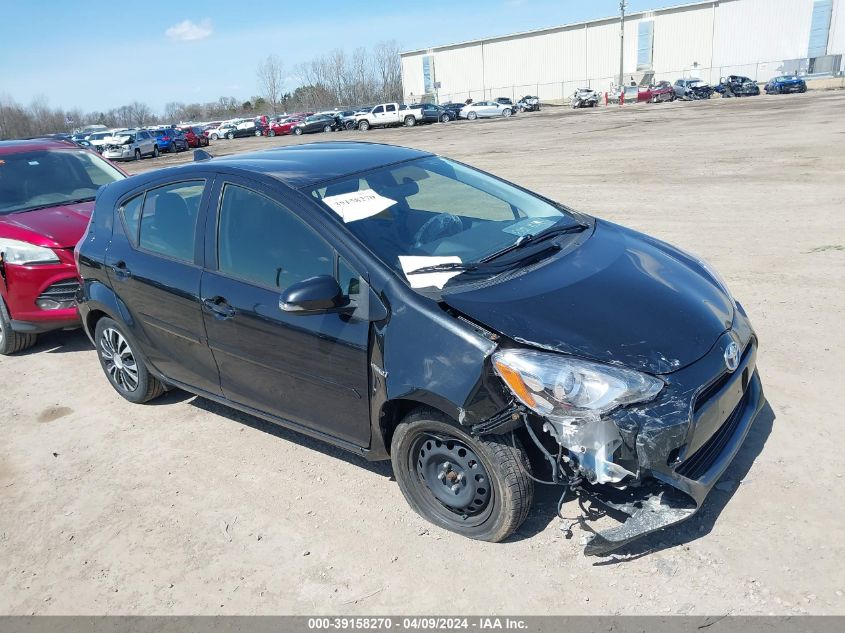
{"points": [[443, 268], [50, 204], [525, 240]]}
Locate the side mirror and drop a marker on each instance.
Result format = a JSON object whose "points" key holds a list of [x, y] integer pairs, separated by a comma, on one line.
{"points": [[315, 295]]}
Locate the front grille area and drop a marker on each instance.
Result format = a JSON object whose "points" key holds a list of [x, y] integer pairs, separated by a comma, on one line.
{"points": [[697, 464], [713, 388], [61, 291]]}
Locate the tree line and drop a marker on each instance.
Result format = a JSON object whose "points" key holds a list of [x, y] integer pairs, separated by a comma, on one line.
{"points": [[337, 79]]}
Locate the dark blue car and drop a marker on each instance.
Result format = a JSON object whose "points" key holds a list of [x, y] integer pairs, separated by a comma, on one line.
{"points": [[785, 83]]}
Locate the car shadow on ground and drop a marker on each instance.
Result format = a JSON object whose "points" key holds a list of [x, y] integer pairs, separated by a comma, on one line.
{"points": [[701, 524], [59, 342], [381, 468]]}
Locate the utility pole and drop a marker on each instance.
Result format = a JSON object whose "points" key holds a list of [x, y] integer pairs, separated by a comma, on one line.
{"points": [[622, 5]]}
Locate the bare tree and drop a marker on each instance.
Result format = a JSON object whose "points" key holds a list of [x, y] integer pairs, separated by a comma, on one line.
{"points": [[140, 114], [270, 77], [389, 70]]}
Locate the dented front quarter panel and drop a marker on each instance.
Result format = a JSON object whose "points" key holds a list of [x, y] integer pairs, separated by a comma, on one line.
{"points": [[422, 354]]}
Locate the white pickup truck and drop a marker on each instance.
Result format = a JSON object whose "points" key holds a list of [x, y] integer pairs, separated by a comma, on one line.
{"points": [[387, 114]]}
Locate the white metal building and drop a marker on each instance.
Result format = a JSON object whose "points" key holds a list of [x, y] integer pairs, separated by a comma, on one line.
{"points": [[754, 38]]}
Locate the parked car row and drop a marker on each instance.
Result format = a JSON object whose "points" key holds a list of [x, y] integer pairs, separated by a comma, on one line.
{"points": [[138, 143], [690, 89], [205, 277]]}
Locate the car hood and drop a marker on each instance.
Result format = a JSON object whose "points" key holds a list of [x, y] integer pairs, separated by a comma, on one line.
{"points": [[620, 297], [60, 226]]}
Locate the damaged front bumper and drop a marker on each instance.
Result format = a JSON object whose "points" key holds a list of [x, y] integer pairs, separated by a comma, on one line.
{"points": [[678, 445]]}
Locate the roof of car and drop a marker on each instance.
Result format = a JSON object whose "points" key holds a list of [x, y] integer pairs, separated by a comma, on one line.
{"points": [[35, 144], [308, 164]]}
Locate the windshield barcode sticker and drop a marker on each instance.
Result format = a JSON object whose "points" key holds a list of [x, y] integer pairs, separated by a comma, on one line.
{"points": [[358, 205]]}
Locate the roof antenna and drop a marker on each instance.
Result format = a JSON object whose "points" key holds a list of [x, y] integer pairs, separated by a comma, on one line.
{"points": [[201, 155]]}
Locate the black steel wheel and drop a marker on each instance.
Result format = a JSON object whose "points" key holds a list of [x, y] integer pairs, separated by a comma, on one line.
{"points": [[12, 342], [477, 487], [124, 369]]}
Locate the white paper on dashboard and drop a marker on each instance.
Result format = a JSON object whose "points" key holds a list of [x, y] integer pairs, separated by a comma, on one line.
{"points": [[358, 205], [410, 263]]}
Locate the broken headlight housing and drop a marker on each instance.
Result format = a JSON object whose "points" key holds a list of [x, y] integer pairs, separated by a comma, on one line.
{"points": [[573, 395], [563, 388]]}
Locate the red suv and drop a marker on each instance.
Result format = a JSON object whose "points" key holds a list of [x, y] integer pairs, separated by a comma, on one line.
{"points": [[195, 137], [47, 191]]}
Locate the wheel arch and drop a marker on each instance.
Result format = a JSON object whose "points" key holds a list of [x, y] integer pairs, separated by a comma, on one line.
{"points": [[394, 411]]}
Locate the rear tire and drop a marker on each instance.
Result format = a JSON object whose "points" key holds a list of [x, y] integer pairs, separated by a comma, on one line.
{"points": [[297, 131], [434, 459], [410, 121], [12, 342], [230, 136], [124, 369]]}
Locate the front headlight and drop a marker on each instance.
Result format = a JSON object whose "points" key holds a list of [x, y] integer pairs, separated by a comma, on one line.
{"points": [[24, 253], [563, 388]]}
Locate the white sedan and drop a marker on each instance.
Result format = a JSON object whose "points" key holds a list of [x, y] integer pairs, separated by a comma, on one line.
{"points": [[482, 109]]}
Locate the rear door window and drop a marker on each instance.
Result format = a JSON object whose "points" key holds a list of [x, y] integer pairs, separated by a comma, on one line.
{"points": [[169, 220]]}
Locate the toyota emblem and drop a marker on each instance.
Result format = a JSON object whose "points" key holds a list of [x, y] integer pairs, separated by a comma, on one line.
{"points": [[732, 356]]}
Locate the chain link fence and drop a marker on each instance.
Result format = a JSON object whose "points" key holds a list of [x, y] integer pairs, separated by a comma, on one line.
{"points": [[561, 91]]}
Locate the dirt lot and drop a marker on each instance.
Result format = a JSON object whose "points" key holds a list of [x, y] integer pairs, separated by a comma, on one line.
{"points": [[187, 507]]}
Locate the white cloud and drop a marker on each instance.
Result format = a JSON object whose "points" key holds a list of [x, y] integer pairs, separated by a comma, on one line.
{"points": [[188, 31]]}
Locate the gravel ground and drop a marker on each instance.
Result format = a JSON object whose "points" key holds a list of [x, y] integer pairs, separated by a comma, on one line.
{"points": [[186, 507]]}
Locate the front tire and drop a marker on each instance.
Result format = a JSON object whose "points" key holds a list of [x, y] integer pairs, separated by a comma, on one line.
{"points": [[124, 369], [477, 487], [327, 129], [155, 151], [506, 112], [444, 118], [271, 133], [364, 125], [472, 116], [137, 154], [214, 137], [12, 342]]}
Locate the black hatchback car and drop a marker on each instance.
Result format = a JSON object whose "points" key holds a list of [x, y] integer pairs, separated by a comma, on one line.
{"points": [[408, 307]]}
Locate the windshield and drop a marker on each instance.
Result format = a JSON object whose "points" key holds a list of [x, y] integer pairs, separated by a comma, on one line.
{"points": [[437, 211], [51, 177]]}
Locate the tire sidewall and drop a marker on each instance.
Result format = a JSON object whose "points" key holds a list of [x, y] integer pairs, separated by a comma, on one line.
{"points": [[495, 527]]}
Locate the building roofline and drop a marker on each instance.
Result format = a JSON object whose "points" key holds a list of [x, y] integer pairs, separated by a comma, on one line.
{"points": [[561, 27]]}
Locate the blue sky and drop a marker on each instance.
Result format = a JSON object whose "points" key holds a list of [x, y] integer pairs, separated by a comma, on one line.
{"points": [[99, 55]]}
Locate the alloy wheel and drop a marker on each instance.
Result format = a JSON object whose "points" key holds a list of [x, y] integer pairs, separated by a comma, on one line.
{"points": [[119, 360]]}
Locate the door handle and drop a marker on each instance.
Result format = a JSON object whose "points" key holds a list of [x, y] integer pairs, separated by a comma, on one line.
{"points": [[219, 308], [121, 271]]}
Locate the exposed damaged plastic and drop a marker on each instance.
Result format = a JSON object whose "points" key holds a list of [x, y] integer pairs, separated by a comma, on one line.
{"points": [[591, 445]]}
